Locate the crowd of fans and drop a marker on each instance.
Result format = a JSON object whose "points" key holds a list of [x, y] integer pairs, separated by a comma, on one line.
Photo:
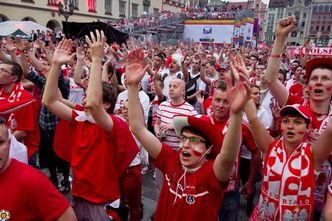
{"points": [[210, 121]]}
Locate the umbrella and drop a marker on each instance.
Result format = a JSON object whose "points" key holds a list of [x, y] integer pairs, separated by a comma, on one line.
{"points": [[7, 28], [21, 34]]}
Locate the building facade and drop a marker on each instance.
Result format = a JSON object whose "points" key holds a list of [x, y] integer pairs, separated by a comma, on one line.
{"points": [[320, 31], [302, 11], [45, 12], [276, 11]]}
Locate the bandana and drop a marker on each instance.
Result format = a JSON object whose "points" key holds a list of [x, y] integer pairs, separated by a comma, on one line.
{"points": [[288, 184]]}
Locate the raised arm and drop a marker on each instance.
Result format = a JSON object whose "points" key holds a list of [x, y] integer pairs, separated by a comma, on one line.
{"points": [[50, 98], [79, 67], [135, 70], [94, 99], [278, 90], [322, 147], [237, 95]]}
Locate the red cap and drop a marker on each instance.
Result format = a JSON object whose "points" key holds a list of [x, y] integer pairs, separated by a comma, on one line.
{"points": [[204, 126], [305, 112], [313, 63]]}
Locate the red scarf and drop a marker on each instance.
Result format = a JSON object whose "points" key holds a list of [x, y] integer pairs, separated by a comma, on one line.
{"points": [[288, 184]]}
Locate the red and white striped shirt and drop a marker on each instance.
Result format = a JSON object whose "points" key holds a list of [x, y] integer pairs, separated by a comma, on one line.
{"points": [[166, 111]]}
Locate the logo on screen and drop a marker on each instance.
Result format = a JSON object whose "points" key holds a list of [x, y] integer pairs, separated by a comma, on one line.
{"points": [[207, 31]]}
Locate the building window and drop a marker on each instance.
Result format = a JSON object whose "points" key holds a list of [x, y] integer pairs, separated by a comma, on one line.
{"points": [[74, 3], [92, 5], [317, 28], [321, 8], [323, 28], [294, 34], [304, 15], [311, 28], [146, 9], [303, 24], [326, 8], [134, 10], [52, 2], [314, 8], [108, 7], [122, 9], [155, 11], [329, 28]]}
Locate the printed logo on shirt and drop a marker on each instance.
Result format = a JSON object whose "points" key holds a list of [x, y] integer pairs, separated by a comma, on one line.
{"points": [[190, 199], [4, 215]]}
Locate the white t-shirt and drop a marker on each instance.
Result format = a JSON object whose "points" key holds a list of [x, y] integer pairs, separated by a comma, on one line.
{"points": [[143, 97]]}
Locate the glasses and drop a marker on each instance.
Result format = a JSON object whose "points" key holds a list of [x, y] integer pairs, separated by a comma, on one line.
{"points": [[4, 70], [192, 140]]}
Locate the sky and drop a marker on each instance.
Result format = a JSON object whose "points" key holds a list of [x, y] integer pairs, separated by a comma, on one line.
{"points": [[265, 1]]}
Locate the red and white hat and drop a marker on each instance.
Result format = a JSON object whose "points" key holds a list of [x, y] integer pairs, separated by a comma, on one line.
{"points": [[305, 112], [314, 63], [204, 126]]}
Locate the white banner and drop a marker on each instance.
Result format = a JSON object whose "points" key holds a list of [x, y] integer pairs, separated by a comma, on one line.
{"points": [[248, 32], [214, 33]]}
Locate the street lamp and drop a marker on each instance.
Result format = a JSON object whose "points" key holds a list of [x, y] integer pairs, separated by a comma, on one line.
{"points": [[66, 9]]}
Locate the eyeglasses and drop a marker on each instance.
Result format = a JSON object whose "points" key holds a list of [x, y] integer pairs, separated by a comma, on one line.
{"points": [[4, 70], [192, 140]]}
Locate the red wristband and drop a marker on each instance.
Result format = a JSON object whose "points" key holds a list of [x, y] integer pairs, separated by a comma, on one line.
{"points": [[275, 55]]}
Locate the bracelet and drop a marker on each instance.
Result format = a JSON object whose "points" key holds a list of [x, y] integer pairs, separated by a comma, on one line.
{"points": [[275, 55]]}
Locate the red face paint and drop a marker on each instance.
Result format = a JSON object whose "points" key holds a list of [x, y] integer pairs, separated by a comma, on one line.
{"points": [[309, 88], [301, 132], [329, 88], [197, 151]]}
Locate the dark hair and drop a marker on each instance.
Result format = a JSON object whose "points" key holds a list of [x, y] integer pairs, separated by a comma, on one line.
{"points": [[212, 63], [162, 55], [2, 121], [197, 132], [109, 96], [295, 113], [16, 69], [222, 86], [255, 85]]}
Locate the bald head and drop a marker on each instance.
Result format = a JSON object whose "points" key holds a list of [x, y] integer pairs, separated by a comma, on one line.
{"points": [[177, 89]]}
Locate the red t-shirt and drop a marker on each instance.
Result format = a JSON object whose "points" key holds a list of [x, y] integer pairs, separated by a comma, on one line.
{"points": [[296, 89], [95, 155], [27, 194], [26, 119], [199, 200]]}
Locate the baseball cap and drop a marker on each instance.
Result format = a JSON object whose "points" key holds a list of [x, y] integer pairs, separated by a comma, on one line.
{"points": [[204, 126], [313, 63], [300, 109]]}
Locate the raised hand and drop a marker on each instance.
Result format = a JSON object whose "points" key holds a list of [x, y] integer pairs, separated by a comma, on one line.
{"points": [[80, 53], [96, 43], [285, 26], [238, 94], [10, 46], [62, 53], [135, 67], [21, 44]]}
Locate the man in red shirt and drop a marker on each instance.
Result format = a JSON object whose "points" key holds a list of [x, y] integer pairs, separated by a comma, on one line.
{"points": [[27, 194], [103, 145], [23, 123], [193, 186]]}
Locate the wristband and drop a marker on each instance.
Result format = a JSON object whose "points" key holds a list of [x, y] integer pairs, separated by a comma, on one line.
{"points": [[275, 55]]}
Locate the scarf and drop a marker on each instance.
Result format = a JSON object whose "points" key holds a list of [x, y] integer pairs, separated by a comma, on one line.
{"points": [[288, 184]]}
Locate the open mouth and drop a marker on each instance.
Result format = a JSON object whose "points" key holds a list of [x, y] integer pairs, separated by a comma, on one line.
{"points": [[318, 91], [186, 154], [290, 134]]}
